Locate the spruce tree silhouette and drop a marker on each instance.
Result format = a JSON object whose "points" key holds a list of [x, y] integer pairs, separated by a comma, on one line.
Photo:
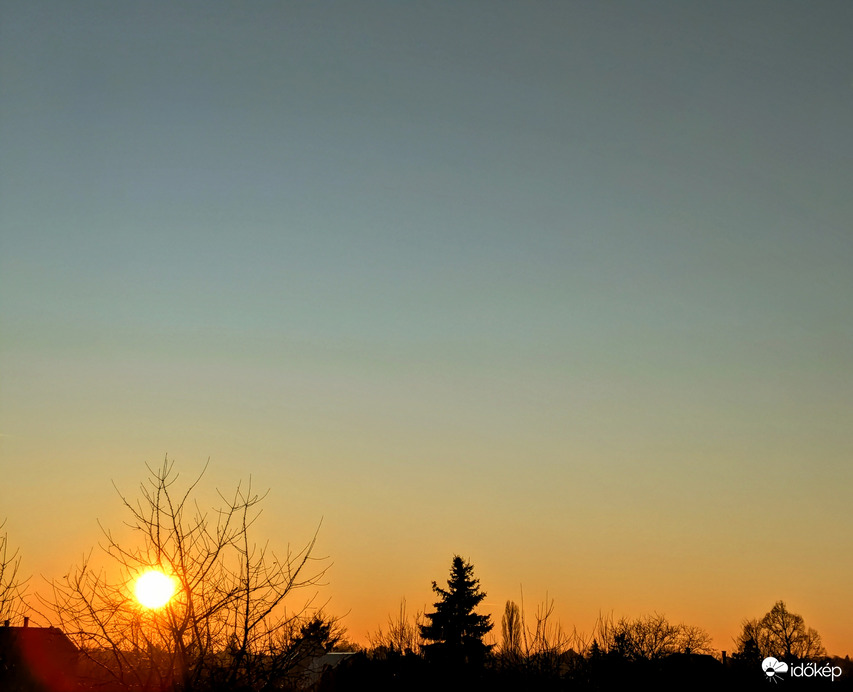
{"points": [[454, 631]]}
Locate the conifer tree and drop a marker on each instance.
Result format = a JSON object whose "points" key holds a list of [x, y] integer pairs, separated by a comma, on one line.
{"points": [[455, 632]]}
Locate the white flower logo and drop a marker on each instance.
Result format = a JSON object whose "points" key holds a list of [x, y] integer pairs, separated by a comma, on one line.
{"points": [[773, 667]]}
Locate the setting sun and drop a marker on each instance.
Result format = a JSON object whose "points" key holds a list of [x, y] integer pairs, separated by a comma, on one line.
{"points": [[153, 589]]}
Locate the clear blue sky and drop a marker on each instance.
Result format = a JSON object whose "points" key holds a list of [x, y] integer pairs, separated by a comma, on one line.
{"points": [[563, 287]]}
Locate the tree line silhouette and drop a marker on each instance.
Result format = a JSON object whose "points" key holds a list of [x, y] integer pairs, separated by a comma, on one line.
{"points": [[447, 649], [247, 619]]}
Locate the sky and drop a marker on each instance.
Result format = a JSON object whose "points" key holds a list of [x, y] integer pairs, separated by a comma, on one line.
{"points": [[561, 287]]}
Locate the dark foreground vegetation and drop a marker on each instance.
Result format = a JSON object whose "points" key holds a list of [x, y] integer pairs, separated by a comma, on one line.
{"points": [[384, 672], [27, 669], [238, 623]]}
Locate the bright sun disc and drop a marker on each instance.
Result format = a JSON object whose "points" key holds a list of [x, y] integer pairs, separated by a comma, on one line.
{"points": [[153, 589]]}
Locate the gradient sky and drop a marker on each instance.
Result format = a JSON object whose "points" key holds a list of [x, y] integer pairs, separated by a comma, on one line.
{"points": [[562, 287]]}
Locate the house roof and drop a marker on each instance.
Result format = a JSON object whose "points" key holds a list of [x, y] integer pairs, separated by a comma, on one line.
{"points": [[37, 658]]}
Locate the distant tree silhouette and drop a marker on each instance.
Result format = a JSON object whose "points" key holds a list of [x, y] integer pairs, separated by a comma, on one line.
{"points": [[511, 631], [650, 638], [747, 650], [455, 632], [547, 641], [779, 633], [403, 634], [319, 635]]}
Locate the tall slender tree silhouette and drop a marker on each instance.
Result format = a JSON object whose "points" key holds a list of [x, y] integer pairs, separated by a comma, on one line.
{"points": [[455, 632]]}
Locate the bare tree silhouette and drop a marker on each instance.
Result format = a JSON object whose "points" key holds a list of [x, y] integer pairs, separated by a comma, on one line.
{"points": [[231, 617], [649, 637], [779, 633], [403, 634], [12, 587], [543, 646]]}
